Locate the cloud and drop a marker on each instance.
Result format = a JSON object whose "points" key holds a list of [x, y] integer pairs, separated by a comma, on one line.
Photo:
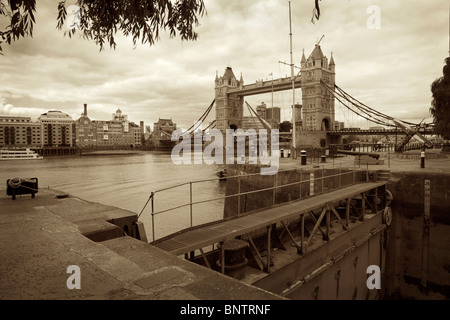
{"points": [[389, 68], [9, 109]]}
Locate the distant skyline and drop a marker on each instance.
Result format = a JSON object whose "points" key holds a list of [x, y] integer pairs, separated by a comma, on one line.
{"points": [[389, 68]]}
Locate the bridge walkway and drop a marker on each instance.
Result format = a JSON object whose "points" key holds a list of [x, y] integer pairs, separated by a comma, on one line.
{"points": [[217, 232]]}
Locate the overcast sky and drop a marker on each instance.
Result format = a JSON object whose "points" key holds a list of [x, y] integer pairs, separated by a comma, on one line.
{"points": [[389, 69]]}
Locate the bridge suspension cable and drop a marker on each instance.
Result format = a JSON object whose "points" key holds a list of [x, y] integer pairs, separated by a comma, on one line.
{"points": [[361, 109], [201, 119], [251, 114], [211, 126], [342, 99], [263, 122], [366, 108]]}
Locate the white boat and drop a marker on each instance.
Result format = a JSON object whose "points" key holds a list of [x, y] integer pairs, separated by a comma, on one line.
{"points": [[26, 154]]}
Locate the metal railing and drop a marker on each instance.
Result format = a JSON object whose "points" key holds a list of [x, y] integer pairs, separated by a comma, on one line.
{"points": [[318, 184]]}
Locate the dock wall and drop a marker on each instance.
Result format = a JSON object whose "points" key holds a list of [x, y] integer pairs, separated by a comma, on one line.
{"points": [[417, 251], [418, 255], [287, 183]]}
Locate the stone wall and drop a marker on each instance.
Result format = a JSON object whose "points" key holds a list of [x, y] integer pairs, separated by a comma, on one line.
{"points": [[287, 183], [418, 256], [418, 250], [310, 139]]}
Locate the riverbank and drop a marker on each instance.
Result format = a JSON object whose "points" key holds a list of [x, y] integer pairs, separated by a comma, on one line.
{"points": [[41, 238], [435, 161], [111, 153]]}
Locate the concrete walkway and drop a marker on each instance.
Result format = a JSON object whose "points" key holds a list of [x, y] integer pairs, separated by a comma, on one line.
{"points": [[435, 161], [41, 237]]}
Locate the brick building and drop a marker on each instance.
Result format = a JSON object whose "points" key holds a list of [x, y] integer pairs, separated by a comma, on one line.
{"points": [[57, 129], [116, 133], [19, 132]]}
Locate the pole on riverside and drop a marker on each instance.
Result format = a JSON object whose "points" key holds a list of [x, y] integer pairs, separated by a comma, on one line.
{"points": [[389, 155], [294, 142], [422, 158]]}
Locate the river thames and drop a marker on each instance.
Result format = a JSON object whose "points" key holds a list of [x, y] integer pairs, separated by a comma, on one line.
{"points": [[126, 181]]}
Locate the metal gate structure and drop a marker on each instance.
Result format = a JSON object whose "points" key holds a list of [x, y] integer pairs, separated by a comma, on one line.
{"points": [[319, 246]]}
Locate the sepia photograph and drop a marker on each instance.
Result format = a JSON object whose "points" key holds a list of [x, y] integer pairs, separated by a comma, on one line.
{"points": [[224, 158]]}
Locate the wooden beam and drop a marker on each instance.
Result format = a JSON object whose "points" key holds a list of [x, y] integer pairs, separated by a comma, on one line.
{"points": [[269, 231], [363, 206], [302, 231], [327, 223], [258, 257], [337, 215], [347, 212], [375, 199], [204, 258], [315, 220], [222, 257], [276, 239], [315, 227], [299, 249]]}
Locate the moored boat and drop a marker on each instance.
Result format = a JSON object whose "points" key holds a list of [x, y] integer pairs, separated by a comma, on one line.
{"points": [[18, 154], [222, 174]]}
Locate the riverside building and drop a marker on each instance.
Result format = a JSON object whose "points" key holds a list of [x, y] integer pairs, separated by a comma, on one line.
{"points": [[19, 132], [117, 133], [57, 129]]}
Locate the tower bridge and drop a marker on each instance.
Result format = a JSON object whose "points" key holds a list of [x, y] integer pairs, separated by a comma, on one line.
{"points": [[314, 121], [318, 104]]}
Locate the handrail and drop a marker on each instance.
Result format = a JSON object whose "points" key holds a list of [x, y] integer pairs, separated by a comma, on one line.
{"points": [[191, 202], [214, 179]]}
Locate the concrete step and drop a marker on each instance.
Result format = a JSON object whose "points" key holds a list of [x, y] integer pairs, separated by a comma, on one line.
{"points": [[166, 276], [41, 238]]}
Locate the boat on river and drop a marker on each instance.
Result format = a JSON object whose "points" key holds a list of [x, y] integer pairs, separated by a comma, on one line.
{"points": [[222, 174], [19, 154]]}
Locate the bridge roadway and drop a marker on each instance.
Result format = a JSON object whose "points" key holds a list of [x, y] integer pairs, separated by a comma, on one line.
{"points": [[202, 236], [357, 131], [267, 86]]}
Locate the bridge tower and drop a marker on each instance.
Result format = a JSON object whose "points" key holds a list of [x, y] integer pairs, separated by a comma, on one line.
{"points": [[229, 107], [318, 103]]}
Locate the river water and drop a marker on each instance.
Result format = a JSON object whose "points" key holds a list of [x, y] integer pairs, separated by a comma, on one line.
{"points": [[126, 181]]}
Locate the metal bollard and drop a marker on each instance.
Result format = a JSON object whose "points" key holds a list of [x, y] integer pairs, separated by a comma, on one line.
{"points": [[422, 159], [303, 157]]}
